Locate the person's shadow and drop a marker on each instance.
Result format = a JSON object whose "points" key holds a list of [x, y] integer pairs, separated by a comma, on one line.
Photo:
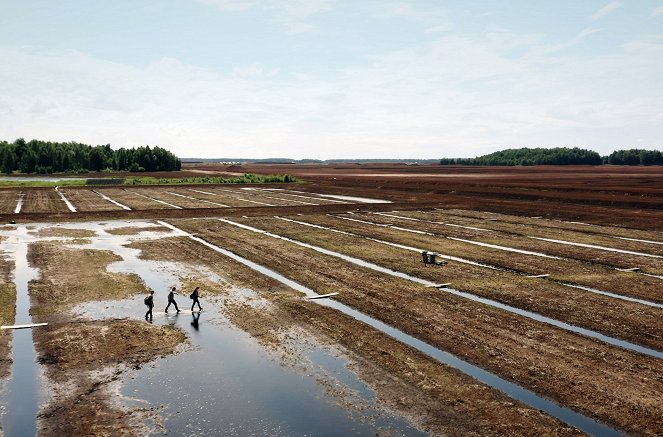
{"points": [[194, 322]]}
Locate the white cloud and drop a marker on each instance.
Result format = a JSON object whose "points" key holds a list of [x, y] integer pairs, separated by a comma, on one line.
{"points": [[291, 14], [657, 11], [230, 5], [455, 96], [605, 10], [439, 29]]}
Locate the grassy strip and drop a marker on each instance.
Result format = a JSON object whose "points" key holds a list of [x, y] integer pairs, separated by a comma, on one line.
{"points": [[247, 178], [41, 183]]}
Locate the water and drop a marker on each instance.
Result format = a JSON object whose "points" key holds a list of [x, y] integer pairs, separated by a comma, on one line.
{"points": [[355, 199], [227, 384], [529, 314], [22, 393], [521, 394], [566, 284]]}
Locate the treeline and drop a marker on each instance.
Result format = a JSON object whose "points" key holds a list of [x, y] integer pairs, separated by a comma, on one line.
{"points": [[45, 157], [634, 157], [560, 156]]}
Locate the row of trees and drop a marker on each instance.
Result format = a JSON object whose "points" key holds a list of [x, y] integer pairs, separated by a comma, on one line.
{"points": [[634, 157], [560, 156], [51, 157]]}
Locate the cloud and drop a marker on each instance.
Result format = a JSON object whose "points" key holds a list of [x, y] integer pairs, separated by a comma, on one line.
{"points": [[291, 14], [439, 29], [657, 11], [605, 10], [230, 5], [457, 95]]}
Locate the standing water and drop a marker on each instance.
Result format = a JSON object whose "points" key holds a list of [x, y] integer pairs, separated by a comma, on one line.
{"points": [[22, 395], [228, 383]]}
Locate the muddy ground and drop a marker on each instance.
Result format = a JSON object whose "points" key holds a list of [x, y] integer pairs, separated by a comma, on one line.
{"points": [[441, 400], [82, 358], [618, 387], [571, 368], [7, 315], [612, 195]]}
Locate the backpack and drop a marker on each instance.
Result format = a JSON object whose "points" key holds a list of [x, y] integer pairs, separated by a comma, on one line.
{"points": [[147, 300], [191, 296]]}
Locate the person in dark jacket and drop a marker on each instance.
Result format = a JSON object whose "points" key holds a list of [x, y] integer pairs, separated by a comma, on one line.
{"points": [[194, 295], [171, 299], [149, 301]]}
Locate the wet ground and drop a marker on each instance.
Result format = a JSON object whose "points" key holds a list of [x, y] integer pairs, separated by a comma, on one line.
{"points": [[222, 381]]}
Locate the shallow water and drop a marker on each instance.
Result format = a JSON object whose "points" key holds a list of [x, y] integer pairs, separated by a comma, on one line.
{"points": [[21, 396], [226, 384], [515, 391], [515, 310]]}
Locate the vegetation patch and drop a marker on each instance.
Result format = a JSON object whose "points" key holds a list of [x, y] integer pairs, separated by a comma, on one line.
{"points": [[64, 232], [71, 276], [135, 230], [247, 178], [83, 345]]}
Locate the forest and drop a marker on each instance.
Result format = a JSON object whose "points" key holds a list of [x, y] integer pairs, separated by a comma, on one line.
{"points": [[45, 157], [560, 156]]}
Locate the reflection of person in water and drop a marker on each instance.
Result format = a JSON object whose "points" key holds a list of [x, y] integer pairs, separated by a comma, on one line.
{"points": [[194, 322], [171, 299]]}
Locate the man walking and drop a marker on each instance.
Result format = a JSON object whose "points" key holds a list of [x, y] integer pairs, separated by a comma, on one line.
{"points": [[171, 299], [194, 296], [149, 301]]}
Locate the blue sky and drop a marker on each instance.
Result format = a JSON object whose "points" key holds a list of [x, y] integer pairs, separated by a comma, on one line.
{"points": [[333, 79]]}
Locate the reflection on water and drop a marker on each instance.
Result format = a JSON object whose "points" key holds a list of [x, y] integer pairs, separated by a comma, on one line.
{"points": [[226, 384], [21, 397]]}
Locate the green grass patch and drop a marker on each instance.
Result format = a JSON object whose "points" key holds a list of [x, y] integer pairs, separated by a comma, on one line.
{"points": [[41, 183], [247, 178]]}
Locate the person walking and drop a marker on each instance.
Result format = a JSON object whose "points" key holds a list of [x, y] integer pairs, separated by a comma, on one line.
{"points": [[194, 295], [171, 299], [149, 301]]}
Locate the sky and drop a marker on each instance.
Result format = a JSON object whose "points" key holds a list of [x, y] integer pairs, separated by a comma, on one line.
{"points": [[333, 78]]}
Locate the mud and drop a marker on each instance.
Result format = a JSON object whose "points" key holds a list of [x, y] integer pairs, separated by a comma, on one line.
{"points": [[7, 316], [81, 359], [441, 400], [566, 367]]}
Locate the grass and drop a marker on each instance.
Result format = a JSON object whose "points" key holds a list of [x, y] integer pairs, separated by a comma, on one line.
{"points": [[7, 303], [41, 183], [247, 178], [71, 276]]}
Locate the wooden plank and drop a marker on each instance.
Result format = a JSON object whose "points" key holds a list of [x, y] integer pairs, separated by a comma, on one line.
{"points": [[32, 325], [545, 275], [322, 296]]}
